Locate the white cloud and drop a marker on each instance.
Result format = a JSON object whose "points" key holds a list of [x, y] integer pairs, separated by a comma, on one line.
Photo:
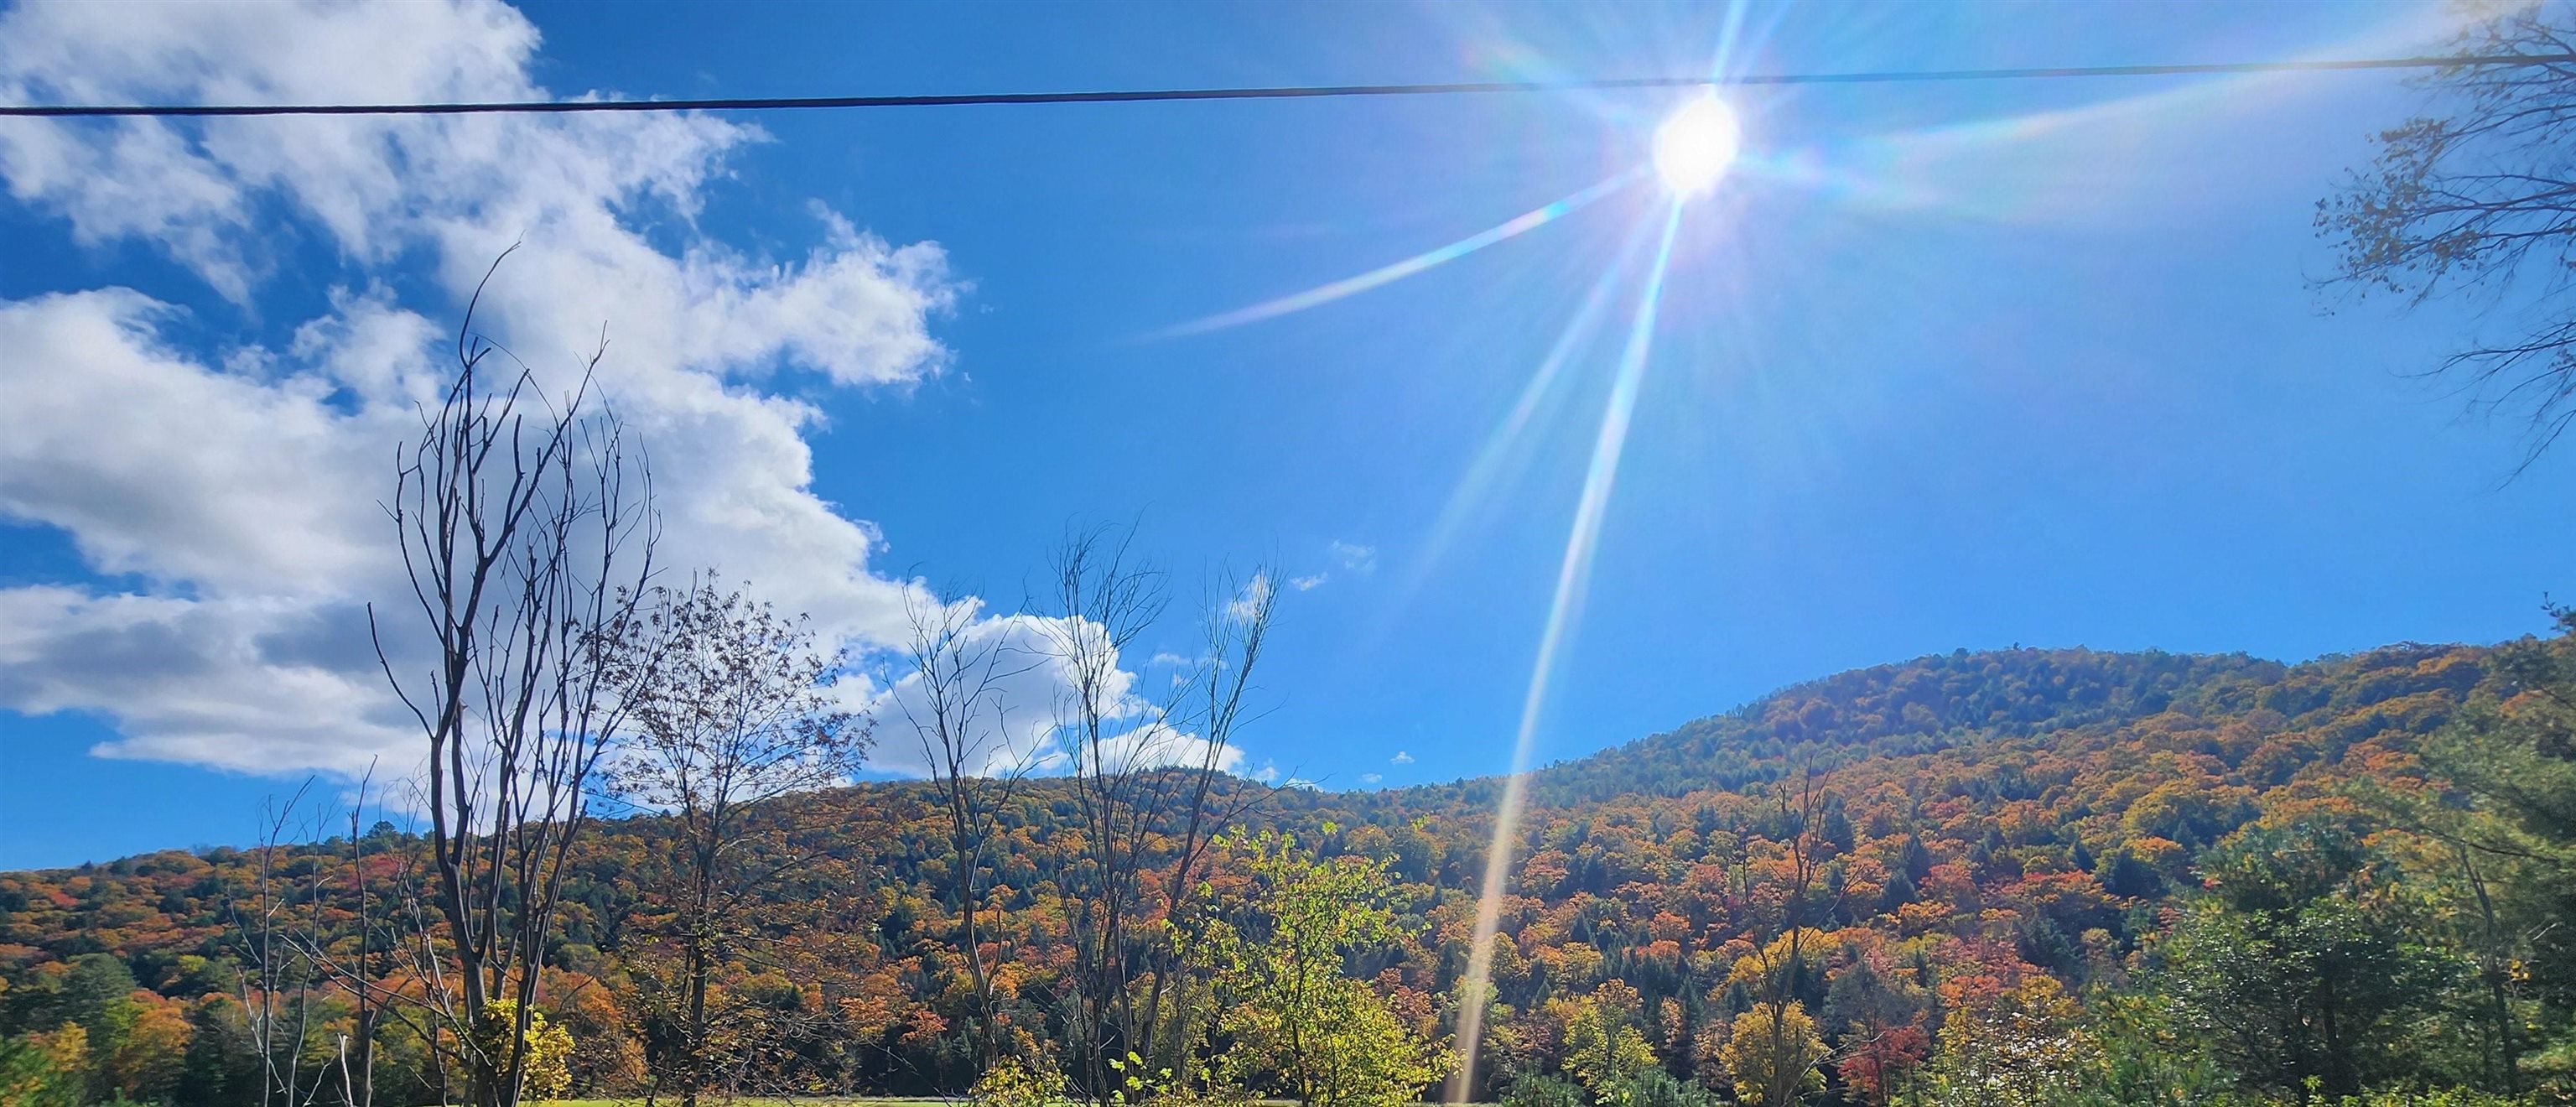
{"points": [[236, 493], [1400, 758], [1371, 778], [240, 684], [1353, 556], [1016, 725], [1247, 603], [167, 468], [1309, 583], [1155, 745]]}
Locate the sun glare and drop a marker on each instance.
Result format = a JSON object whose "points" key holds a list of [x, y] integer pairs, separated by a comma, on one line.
{"points": [[1695, 145]]}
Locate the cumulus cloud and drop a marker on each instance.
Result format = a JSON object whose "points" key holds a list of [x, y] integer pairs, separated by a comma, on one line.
{"points": [[165, 467], [1014, 721], [228, 495], [1371, 778], [249, 684], [1400, 758], [1156, 745]]}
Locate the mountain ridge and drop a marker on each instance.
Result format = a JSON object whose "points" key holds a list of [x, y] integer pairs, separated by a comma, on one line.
{"points": [[1994, 814]]}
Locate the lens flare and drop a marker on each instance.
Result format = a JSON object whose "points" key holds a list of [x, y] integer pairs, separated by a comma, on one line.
{"points": [[1493, 457], [1695, 145], [1572, 575], [1395, 271]]}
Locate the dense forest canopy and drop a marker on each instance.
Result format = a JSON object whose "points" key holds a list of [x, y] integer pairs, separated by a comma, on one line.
{"points": [[2013, 876]]}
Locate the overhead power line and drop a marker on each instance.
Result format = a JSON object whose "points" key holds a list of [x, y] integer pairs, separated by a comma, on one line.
{"points": [[1293, 92]]}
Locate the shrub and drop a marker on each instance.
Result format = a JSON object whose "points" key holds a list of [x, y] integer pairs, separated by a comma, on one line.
{"points": [[1543, 1091]]}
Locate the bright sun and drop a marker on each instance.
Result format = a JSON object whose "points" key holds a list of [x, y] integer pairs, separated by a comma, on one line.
{"points": [[1695, 145]]}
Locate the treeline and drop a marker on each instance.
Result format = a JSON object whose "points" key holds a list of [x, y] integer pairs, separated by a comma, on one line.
{"points": [[2020, 877]]}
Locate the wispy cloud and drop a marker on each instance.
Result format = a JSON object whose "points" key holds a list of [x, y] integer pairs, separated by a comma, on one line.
{"points": [[1247, 603], [1400, 758]]}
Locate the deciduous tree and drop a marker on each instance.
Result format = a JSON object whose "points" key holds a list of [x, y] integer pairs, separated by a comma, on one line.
{"points": [[2480, 196], [1293, 1017], [525, 525], [728, 708]]}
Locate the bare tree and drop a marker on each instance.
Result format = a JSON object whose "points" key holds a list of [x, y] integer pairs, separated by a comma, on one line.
{"points": [[959, 667], [729, 708], [1139, 775], [526, 530], [1210, 698], [368, 965], [274, 928], [2484, 198], [1104, 600]]}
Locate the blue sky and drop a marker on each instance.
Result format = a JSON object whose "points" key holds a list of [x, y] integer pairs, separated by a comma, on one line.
{"points": [[1937, 366]]}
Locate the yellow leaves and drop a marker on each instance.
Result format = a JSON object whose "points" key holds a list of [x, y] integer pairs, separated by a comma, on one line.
{"points": [[1765, 968], [2009, 1044], [1920, 917], [147, 1056], [52, 1076], [1603, 1045], [1014, 1083], [545, 1051], [1771, 1056], [1571, 961], [2164, 855], [1297, 1023]]}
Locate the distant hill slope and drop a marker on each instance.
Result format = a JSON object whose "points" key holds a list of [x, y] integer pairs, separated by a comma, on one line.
{"points": [[2032, 806]]}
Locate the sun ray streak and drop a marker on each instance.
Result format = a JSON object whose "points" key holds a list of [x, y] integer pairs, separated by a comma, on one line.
{"points": [[1396, 271], [1572, 575], [1491, 457], [1726, 37]]}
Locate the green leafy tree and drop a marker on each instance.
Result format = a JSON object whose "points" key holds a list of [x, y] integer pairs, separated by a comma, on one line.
{"points": [[217, 1068], [2300, 962], [2138, 1053], [1656, 1088], [1295, 1019], [2510, 856], [45, 1070], [1542, 1090], [1604, 1048]]}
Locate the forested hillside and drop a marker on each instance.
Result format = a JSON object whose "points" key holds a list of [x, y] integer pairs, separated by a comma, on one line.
{"points": [[2021, 876]]}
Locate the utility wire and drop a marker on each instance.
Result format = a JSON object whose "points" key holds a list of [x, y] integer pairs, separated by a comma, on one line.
{"points": [[1294, 92]]}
